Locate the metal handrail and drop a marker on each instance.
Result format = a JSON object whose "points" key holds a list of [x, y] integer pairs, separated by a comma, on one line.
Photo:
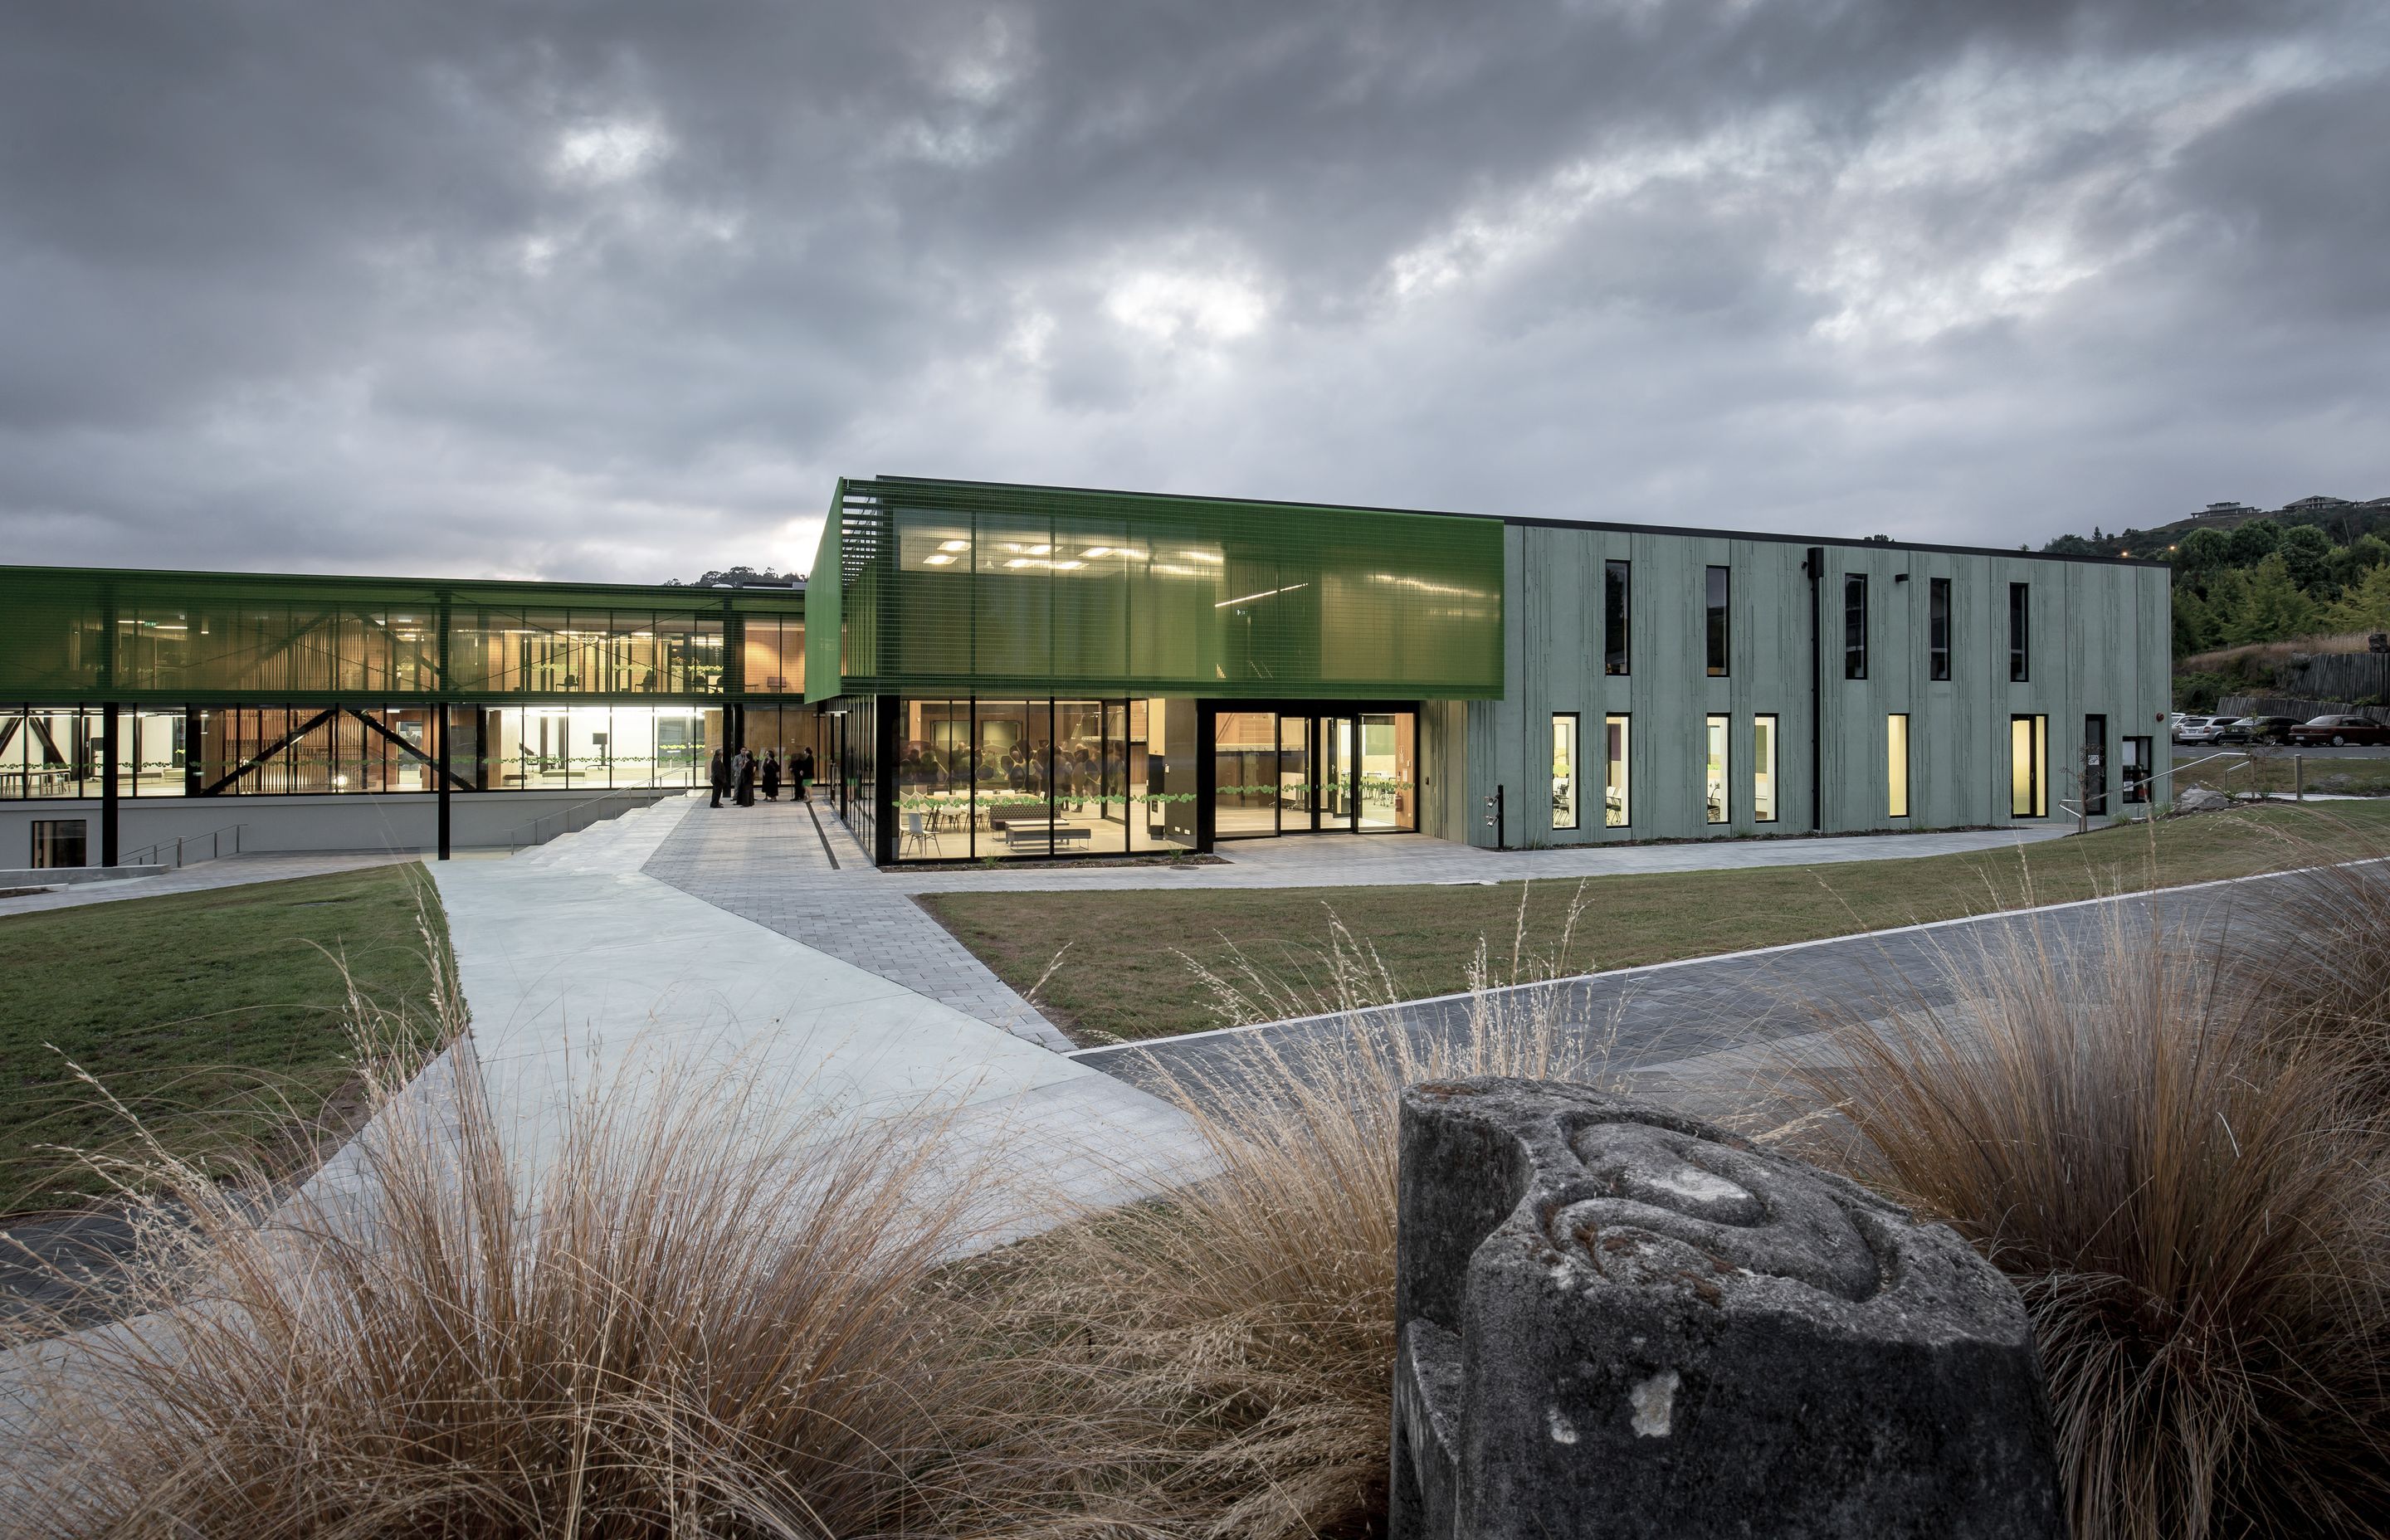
{"points": [[215, 847], [514, 839]]}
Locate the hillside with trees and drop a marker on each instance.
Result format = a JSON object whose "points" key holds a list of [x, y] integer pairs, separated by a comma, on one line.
{"points": [[2243, 577]]}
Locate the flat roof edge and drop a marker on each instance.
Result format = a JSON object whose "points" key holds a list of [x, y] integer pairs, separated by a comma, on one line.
{"points": [[1689, 531]]}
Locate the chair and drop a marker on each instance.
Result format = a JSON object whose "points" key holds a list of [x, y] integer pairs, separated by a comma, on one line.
{"points": [[918, 837]]}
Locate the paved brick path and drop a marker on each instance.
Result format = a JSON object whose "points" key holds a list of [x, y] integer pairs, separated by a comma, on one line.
{"points": [[767, 864]]}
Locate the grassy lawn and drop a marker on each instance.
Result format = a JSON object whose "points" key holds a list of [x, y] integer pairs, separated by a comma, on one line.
{"points": [[1123, 977], [2272, 772], [212, 1015]]}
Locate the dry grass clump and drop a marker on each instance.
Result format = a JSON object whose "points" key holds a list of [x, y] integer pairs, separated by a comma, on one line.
{"points": [[2189, 1195], [697, 1318], [1221, 1360]]}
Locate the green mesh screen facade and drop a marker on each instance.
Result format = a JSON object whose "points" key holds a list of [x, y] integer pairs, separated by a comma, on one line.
{"points": [[971, 588], [80, 634]]}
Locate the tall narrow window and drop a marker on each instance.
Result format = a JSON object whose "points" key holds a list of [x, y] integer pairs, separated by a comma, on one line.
{"points": [[1714, 789], [1896, 767], [2020, 657], [1855, 638], [1937, 628], [1718, 635], [1614, 803], [1763, 769], [1564, 767], [1618, 599], [2029, 766]]}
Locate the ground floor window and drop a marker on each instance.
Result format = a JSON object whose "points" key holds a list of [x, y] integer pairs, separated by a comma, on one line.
{"points": [[2029, 766], [1763, 769], [384, 747], [1720, 808], [1564, 763], [1616, 800], [50, 751], [1895, 768], [59, 842], [2137, 768], [977, 778]]}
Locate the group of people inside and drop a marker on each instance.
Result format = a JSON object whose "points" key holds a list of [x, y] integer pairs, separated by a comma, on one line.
{"points": [[1079, 773], [737, 773]]}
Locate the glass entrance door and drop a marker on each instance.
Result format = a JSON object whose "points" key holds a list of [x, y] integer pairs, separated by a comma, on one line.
{"points": [[1311, 772], [1336, 796]]}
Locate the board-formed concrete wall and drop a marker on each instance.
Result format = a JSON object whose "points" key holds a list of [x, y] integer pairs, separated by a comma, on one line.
{"points": [[2102, 643], [354, 821]]}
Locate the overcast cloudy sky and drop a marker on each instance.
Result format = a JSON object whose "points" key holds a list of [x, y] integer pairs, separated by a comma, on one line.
{"points": [[600, 291]]}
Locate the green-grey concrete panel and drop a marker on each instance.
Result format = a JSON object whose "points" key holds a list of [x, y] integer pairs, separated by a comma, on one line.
{"points": [[2101, 641]]}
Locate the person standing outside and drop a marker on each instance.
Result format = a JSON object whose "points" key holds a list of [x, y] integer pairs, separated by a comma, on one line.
{"points": [[801, 770], [718, 772], [771, 774], [746, 779]]}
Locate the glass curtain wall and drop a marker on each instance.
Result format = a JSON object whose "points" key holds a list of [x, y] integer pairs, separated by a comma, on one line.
{"points": [[50, 751], [1306, 772], [1245, 774], [1043, 778], [250, 751], [1389, 771]]}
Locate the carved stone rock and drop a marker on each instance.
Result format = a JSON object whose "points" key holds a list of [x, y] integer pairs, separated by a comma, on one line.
{"points": [[1612, 1320]]}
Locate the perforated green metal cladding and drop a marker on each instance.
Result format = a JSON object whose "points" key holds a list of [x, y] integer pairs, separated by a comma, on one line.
{"points": [[971, 588], [76, 635]]}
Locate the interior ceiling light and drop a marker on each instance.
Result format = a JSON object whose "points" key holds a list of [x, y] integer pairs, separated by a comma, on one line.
{"points": [[1020, 561], [1041, 550], [941, 560], [1068, 566], [1263, 594], [954, 544]]}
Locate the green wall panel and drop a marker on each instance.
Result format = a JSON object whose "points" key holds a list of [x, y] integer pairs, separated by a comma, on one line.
{"points": [[974, 588]]}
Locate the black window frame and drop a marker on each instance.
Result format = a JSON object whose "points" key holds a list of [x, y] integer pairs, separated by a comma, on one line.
{"points": [[1617, 618], [1576, 771], [1718, 592], [1937, 629], [2020, 633], [1854, 625]]}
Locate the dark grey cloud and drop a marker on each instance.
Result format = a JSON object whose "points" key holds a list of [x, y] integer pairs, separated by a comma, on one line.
{"points": [[618, 290]]}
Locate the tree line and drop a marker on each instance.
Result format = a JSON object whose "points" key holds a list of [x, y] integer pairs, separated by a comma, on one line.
{"points": [[2266, 582]]}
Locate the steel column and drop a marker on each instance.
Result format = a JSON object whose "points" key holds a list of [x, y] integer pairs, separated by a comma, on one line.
{"points": [[108, 760], [440, 730]]}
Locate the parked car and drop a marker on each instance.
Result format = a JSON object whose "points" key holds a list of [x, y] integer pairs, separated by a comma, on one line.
{"points": [[2258, 729], [2340, 730], [2202, 729]]}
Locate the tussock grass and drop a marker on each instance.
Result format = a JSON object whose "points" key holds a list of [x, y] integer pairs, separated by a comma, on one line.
{"points": [[697, 1318], [1226, 1356], [2160, 1139]]}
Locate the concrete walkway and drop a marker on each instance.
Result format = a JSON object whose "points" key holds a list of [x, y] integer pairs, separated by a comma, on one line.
{"points": [[587, 977]]}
